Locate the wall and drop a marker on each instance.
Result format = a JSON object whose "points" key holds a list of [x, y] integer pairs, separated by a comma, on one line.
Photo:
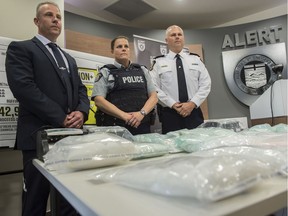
{"points": [[16, 19], [221, 102]]}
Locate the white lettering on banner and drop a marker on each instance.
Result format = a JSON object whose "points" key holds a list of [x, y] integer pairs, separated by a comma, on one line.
{"points": [[133, 79], [253, 37]]}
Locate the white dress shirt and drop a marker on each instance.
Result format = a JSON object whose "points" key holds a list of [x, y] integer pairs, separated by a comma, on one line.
{"points": [[164, 77]]}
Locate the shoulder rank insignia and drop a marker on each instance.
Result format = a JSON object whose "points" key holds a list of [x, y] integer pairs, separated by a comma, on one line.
{"points": [[194, 54]]}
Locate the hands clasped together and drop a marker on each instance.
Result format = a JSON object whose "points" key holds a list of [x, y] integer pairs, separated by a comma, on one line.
{"points": [[133, 119], [184, 109], [74, 119]]}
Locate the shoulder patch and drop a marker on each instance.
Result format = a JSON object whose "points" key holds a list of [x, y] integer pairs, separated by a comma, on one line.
{"points": [[154, 61]]}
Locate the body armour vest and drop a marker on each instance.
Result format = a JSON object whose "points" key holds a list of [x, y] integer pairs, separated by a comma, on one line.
{"points": [[130, 88], [129, 92]]}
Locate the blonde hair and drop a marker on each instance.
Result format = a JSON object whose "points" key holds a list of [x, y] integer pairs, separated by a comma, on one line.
{"points": [[170, 27]]}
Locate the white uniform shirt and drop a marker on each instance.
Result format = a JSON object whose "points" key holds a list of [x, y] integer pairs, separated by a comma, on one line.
{"points": [[164, 77]]}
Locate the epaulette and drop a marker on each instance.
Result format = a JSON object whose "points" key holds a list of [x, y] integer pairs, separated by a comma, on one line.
{"points": [[109, 66], [194, 54], [135, 65], [138, 66], [160, 56]]}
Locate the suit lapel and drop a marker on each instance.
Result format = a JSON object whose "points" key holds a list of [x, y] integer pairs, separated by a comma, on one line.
{"points": [[50, 57]]}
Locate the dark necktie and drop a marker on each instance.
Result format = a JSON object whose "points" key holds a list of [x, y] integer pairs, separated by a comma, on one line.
{"points": [[182, 87], [65, 74]]}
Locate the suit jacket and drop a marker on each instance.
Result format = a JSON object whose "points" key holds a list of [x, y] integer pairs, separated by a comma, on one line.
{"points": [[37, 84]]}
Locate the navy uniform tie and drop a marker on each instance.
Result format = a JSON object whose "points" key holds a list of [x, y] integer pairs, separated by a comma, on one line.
{"points": [[182, 87], [65, 74]]}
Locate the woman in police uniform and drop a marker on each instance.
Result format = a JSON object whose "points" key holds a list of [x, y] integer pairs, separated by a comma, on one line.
{"points": [[124, 93]]}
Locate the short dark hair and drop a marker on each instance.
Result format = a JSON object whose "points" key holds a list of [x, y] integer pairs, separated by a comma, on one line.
{"points": [[116, 38]]}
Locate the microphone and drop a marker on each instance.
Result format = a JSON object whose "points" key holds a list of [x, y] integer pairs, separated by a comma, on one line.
{"points": [[277, 68]]}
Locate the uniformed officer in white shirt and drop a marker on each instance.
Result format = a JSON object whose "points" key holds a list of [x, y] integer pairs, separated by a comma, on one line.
{"points": [[174, 113]]}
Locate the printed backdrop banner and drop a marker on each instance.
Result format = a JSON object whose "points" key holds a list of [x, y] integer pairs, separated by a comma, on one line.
{"points": [[146, 49]]}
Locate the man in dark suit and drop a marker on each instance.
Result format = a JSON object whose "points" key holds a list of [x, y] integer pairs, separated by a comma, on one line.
{"points": [[38, 83]]}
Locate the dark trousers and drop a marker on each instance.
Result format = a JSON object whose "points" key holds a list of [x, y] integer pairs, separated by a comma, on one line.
{"points": [[103, 119], [143, 128], [172, 121], [36, 190]]}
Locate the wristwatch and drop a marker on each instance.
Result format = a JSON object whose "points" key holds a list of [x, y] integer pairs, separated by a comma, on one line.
{"points": [[142, 111]]}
